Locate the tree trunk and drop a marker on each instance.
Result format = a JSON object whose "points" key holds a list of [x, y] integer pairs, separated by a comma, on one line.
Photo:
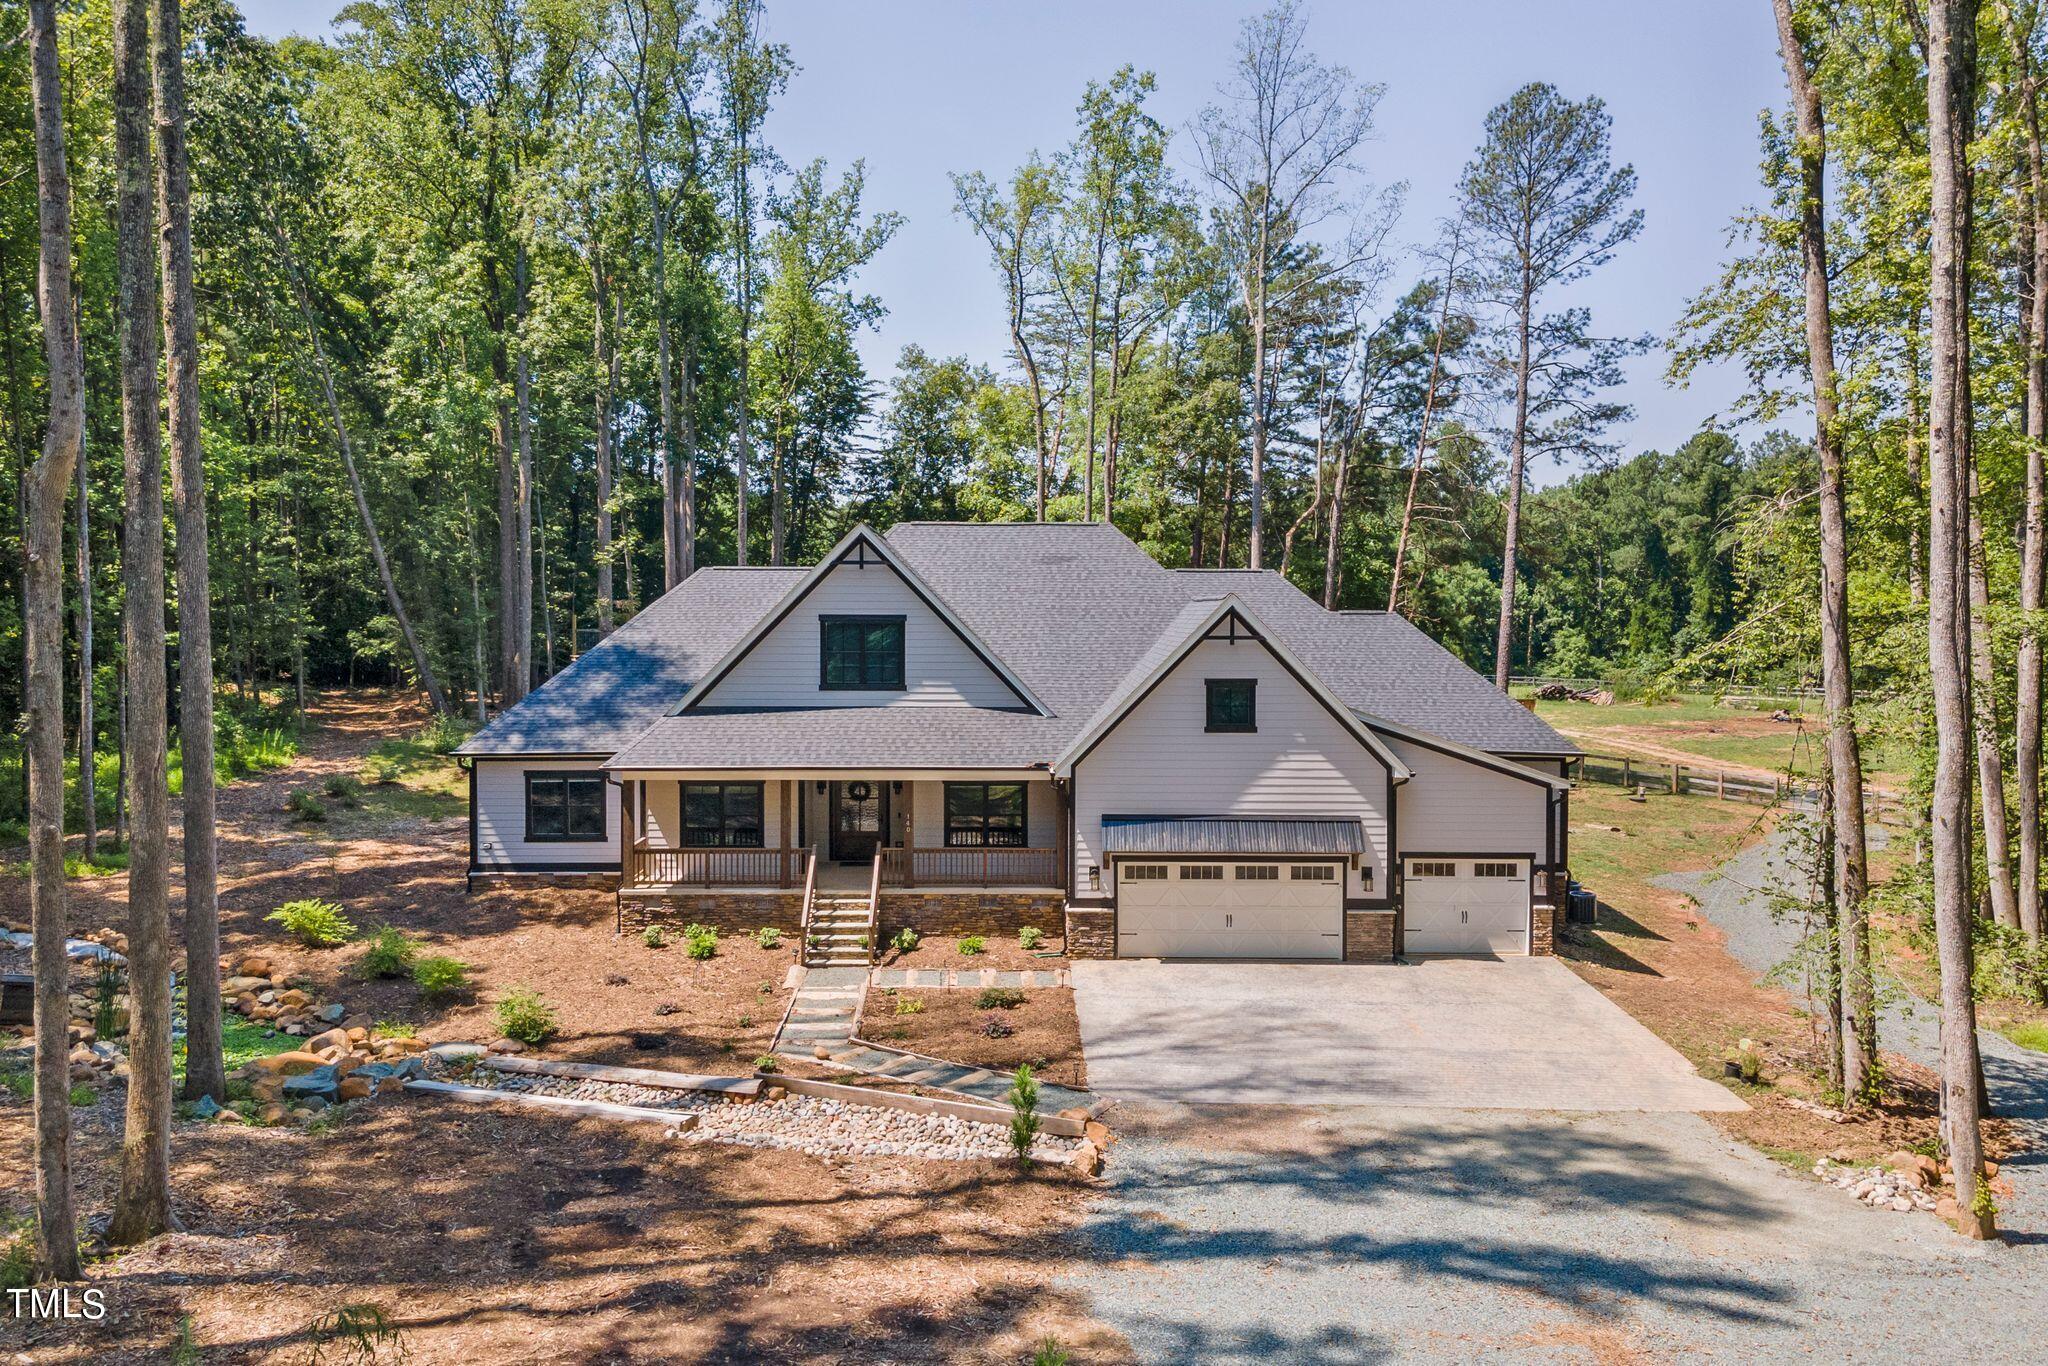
{"points": [[1436, 357], [1849, 875], [88, 746], [1950, 110], [421, 665], [511, 681], [607, 384], [1517, 458], [43, 629], [1255, 300], [1332, 543], [1984, 723], [2034, 538], [521, 615], [143, 1207], [685, 512], [744, 223], [205, 1069]]}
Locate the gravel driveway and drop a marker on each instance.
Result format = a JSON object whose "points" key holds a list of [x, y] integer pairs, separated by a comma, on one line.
{"points": [[1292, 1235]]}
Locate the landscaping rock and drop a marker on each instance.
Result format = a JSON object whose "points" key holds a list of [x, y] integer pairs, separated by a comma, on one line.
{"points": [[333, 1038], [319, 1084], [332, 1013], [355, 1088], [286, 1064], [512, 1046], [237, 985], [1087, 1158], [274, 1113], [206, 1107], [253, 966], [456, 1052]]}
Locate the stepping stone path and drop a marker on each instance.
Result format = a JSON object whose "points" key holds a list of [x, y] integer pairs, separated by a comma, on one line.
{"points": [[828, 1003]]}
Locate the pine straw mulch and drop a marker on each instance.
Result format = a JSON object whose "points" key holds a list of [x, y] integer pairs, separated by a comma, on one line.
{"points": [[514, 1236], [1045, 1032]]}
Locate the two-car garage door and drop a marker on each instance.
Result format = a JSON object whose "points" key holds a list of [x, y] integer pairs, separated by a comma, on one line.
{"points": [[1187, 908], [1465, 905]]}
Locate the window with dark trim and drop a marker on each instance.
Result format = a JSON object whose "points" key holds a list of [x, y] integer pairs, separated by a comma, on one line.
{"points": [[564, 808], [984, 815], [722, 815], [861, 654], [1233, 704]]}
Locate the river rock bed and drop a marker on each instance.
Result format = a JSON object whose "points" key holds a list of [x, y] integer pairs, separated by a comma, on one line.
{"points": [[1878, 1187], [810, 1124]]}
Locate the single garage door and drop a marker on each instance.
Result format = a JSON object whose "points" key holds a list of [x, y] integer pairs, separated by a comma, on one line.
{"points": [[1211, 908], [1462, 905]]}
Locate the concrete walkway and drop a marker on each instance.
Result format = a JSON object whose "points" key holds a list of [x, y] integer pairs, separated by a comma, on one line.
{"points": [[1514, 1033], [823, 1015], [1736, 897]]}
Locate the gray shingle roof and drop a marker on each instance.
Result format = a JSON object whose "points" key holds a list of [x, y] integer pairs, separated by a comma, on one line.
{"points": [[1076, 609]]}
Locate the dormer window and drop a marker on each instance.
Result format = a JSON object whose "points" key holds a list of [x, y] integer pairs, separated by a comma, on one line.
{"points": [[860, 654], [1233, 705]]}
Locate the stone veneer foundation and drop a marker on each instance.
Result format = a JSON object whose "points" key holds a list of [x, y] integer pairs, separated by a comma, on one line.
{"points": [[494, 881]]}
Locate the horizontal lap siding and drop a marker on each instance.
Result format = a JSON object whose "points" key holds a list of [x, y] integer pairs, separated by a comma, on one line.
{"points": [[1454, 806], [939, 670], [501, 817], [1160, 761]]}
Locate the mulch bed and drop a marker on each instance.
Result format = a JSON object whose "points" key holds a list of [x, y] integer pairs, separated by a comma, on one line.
{"points": [[1002, 951], [1045, 1031], [519, 1236]]}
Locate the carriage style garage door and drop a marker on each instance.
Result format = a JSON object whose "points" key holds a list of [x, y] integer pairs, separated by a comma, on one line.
{"points": [[1214, 908], [1466, 905]]}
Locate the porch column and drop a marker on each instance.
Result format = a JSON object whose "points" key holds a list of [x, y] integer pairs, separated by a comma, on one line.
{"points": [[782, 846]]}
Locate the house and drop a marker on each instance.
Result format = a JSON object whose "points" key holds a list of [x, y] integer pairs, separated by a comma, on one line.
{"points": [[968, 728]]}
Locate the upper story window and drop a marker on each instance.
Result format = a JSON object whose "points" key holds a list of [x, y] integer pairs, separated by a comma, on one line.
{"points": [[722, 815], [564, 807], [862, 654], [985, 815], [1233, 704]]}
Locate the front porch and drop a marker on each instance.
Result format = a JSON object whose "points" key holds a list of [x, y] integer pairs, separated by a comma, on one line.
{"points": [[843, 834]]}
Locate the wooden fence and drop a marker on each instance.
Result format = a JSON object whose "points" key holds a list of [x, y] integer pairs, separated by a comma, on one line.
{"points": [[1661, 775]]}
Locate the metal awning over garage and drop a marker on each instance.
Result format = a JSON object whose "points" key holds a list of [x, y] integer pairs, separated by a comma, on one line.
{"points": [[1228, 835]]}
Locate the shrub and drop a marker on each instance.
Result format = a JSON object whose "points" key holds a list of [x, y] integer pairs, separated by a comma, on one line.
{"points": [[1023, 1113], [766, 1063], [904, 940], [444, 733], [995, 1028], [1050, 1353], [700, 941], [106, 998], [384, 768], [393, 1029], [525, 1016], [1030, 937], [999, 998], [768, 937], [316, 924], [344, 788], [972, 944], [17, 1255], [390, 954], [305, 806], [654, 937], [909, 1005], [441, 976]]}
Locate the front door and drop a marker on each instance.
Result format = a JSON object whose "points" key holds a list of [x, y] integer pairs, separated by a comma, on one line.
{"points": [[860, 820]]}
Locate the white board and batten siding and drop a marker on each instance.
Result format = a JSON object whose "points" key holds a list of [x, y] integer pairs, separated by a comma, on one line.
{"points": [[1454, 806], [1160, 760], [939, 669], [501, 818]]}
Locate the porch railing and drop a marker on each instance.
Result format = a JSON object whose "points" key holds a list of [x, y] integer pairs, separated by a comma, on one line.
{"points": [[970, 867], [716, 867]]}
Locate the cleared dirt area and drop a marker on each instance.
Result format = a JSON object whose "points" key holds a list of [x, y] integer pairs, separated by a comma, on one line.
{"points": [[948, 1022], [1003, 951]]}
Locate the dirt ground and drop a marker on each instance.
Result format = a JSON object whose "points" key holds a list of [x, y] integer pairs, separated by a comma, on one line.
{"points": [[489, 1235], [507, 1236], [1045, 1030], [1658, 959]]}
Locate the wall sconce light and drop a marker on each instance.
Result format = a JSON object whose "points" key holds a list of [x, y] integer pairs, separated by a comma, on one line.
{"points": [[1365, 876], [897, 787], [821, 789], [1094, 877]]}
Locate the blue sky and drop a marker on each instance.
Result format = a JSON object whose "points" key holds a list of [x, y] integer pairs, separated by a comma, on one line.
{"points": [[921, 88]]}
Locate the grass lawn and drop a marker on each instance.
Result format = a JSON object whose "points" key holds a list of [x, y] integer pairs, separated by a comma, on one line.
{"points": [[1699, 728]]}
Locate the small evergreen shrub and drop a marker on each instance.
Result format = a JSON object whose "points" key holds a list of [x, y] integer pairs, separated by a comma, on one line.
{"points": [[1030, 937], [700, 941], [344, 788], [390, 954], [999, 998], [909, 1005], [440, 976], [972, 944], [384, 768], [904, 940], [316, 924], [442, 734], [766, 1063], [304, 806], [525, 1016], [1023, 1113], [768, 937], [654, 937]]}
